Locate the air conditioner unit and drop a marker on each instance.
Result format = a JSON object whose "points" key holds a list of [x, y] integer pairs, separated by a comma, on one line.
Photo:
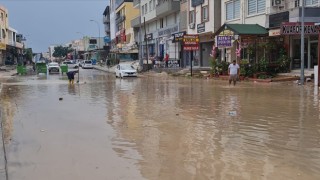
{"points": [[277, 3], [191, 25]]}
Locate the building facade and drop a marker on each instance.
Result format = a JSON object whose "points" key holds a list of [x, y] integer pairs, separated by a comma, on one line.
{"points": [[286, 15], [4, 25], [106, 22], [203, 20]]}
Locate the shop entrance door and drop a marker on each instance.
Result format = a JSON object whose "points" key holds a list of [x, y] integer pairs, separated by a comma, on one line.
{"points": [[314, 53]]}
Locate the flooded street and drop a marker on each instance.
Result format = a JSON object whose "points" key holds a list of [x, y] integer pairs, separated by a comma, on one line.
{"points": [[159, 127]]}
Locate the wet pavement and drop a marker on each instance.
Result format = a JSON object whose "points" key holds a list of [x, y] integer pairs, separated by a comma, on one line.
{"points": [[159, 127]]}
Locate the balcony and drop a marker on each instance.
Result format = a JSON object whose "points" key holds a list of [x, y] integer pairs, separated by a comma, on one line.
{"points": [[136, 22], [136, 4], [120, 19], [106, 19], [167, 7]]}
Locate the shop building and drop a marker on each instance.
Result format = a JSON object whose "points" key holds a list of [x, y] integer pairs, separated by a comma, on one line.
{"points": [[203, 20], [247, 17], [155, 27], [106, 22], [126, 47], [284, 24], [4, 25]]}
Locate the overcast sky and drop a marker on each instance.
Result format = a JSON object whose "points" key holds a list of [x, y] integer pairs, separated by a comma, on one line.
{"points": [[47, 22]]}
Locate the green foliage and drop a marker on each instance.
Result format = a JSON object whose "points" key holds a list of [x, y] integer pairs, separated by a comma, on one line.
{"points": [[250, 49], [246, 69], [28, 54], [262, 65], [60, 51], [217, 67], [224, 66], [283, 62]]}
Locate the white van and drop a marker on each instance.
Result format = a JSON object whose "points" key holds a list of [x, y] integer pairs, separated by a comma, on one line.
{"points": [[87, 64]]}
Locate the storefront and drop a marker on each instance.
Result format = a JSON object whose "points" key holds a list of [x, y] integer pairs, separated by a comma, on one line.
{"points": [[293, 32], [165, 44], [241, 41]]}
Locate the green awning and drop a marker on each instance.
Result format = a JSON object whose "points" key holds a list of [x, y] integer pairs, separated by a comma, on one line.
{"points": [[243, 29]]}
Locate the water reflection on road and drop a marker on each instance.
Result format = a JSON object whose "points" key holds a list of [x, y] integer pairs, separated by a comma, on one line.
{"points": [[161, 128]]}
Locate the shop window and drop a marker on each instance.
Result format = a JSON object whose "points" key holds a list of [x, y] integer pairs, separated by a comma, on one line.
{"points": [[233, 10], [205, 14], [161, 23], [311, 2], [256, 6]]}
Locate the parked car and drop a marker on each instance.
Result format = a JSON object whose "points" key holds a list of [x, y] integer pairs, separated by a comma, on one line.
{"points": [[125, 70], [53, 67], [70, 64], [87, 64]]}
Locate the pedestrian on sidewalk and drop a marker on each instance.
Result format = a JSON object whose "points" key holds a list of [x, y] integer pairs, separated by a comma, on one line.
{"points": [[233, 71], [166, 59], [70, 75]]}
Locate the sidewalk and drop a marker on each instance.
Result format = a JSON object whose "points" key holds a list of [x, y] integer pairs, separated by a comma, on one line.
{"points": [[105, 68], [5, 72]]}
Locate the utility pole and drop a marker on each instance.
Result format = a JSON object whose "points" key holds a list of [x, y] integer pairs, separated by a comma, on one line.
{"points": [[146, 40], [302, 44], [140, 37]]}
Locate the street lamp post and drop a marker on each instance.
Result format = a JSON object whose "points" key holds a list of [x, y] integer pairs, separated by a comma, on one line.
{"points": [[302, 44], [99, 37]]}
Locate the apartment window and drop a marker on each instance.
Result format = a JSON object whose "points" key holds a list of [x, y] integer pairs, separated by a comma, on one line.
{"points": [[256, 6], [150, 5], [191, 17], [161, 23], [311, 2], [3, 33], [205, 13], [142, 10], [296, 3], [233, 9], [146, 8]]}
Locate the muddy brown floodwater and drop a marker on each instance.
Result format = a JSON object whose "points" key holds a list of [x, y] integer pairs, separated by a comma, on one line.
{"points": [[159, 128]]}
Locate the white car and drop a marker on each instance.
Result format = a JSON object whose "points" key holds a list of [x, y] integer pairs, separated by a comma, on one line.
{"points": [[53, 67], [87, 64], [70, 64], [125, 70]]}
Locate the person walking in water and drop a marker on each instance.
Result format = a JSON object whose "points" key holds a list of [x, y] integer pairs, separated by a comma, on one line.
{"points": [[70, 75], [233, 72]]}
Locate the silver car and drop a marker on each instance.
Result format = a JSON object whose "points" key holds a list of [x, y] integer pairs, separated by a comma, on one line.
{"points": [[53, 67]]}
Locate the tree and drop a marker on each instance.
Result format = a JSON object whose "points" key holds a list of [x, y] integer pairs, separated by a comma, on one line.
{"points": [[28, 54], [61, 52]]}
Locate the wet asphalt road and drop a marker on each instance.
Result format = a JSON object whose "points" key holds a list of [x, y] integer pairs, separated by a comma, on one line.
{"points": [[159, 128]]}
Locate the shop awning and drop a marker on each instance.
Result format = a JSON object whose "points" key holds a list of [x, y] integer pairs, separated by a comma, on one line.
{"points": [[241, 29]]}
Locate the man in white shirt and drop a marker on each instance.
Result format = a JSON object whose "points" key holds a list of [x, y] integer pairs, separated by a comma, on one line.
{"points": [[233, 71]]}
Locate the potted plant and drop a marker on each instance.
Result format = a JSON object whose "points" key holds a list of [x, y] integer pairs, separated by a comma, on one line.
{"points": [[224, 67]]}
